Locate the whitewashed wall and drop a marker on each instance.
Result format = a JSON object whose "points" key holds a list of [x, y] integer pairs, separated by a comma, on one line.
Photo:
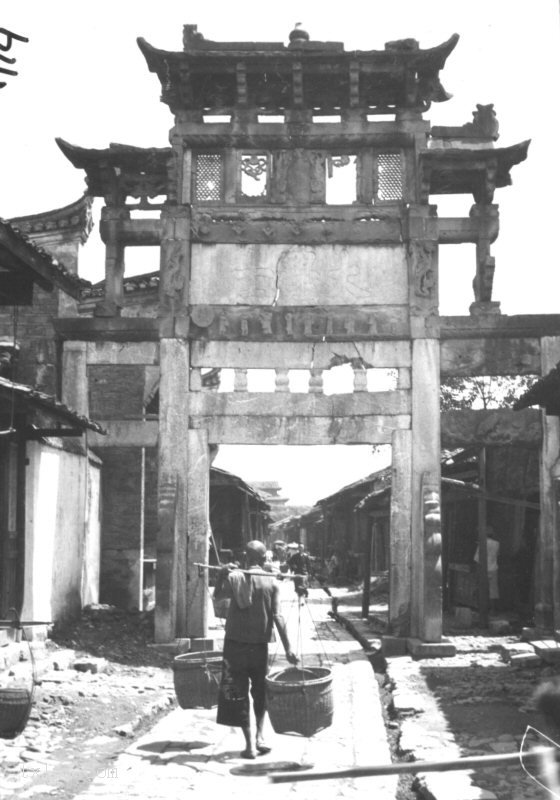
{"points": [[61, 533]]}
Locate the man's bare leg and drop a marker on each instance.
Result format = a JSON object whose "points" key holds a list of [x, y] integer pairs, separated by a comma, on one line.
{"points": [[249, 751]]}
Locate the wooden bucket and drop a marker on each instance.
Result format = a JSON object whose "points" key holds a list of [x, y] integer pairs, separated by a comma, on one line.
{"points": [[196, 677], [15, 706], [299, 701]]}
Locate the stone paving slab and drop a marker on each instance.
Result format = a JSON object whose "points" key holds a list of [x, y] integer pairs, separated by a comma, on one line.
{"points": [[187, 752]]}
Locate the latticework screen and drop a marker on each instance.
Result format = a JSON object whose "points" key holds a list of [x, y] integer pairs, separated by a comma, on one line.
{"points": [[209, 177], [389, 176]]}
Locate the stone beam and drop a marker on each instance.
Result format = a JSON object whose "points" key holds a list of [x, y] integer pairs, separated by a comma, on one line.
{"points": [[495, 427], [490, 356], [109, 329], [122, 353], [499, 326], [287, 404], [297, 355], [301, 430], [126, 433]]}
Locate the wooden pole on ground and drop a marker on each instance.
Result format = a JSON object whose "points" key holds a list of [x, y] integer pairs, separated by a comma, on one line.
{"points": [[414, 767]]}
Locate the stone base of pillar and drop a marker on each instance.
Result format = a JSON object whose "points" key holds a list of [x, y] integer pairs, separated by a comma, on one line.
{"points": [[392, 646], [419, 649], [483, 308]]}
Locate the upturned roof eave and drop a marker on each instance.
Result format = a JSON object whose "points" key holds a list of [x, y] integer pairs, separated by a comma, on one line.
{"points": [[75, 216], [423, 59], [514, 154], [115, 155]]}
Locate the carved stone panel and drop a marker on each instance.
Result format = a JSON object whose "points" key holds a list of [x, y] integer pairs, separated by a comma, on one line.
{"points": [[502, 426], [298, 275], [291, 323]]}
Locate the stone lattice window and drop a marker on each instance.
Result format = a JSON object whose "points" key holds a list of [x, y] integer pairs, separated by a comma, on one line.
{"points": [[341, 173], [254, 175], [389, 176], [209, 177]]}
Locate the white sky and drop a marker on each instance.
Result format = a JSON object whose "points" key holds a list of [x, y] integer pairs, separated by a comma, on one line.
{"points": [[83, 78]]}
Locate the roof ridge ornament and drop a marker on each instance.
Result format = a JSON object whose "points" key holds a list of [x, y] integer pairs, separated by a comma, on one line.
{"points": [[298, 36]]}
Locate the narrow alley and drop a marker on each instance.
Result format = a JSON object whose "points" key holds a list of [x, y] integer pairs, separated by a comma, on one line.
{"points": [[434, 709]]}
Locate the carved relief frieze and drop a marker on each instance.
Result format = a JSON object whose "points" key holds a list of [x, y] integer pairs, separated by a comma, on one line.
{"points": [[422, 263], [267, 323], [247, 228]]}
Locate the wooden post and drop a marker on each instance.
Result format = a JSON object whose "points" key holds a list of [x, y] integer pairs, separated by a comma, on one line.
{"points": [[370, 526], [482, 542]]}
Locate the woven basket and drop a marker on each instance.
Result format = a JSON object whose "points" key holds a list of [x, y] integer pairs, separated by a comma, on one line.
{"points": [[300, 701], [15, 707], [196, 677]]}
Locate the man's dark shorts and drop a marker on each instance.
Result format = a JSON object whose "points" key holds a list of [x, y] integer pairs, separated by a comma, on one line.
{"points": [[244, 665]]}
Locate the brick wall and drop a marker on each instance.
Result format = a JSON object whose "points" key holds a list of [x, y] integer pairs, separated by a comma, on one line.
{"points": [[36, 364], [120, 524]]}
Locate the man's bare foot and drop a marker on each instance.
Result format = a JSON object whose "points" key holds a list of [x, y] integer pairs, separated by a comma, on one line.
{"points": [[263, 748], [248, 754]]}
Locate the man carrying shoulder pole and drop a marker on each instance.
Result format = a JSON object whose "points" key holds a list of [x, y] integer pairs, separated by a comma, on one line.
{"points": [[253, 611]]}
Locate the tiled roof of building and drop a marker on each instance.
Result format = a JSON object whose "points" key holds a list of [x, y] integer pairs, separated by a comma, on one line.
{"points": [[22, 392], [73, 218], [47, 271]]}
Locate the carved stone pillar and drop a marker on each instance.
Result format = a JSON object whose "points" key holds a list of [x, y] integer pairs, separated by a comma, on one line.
{"points": [[112, 218], [400, 543], [174, 270], [547, 578], [426, 581], [422, 252], [171, 546], [487, 217]]}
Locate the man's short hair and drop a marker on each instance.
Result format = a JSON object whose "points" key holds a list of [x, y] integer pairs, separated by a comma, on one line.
{"points": [[255, 548]]}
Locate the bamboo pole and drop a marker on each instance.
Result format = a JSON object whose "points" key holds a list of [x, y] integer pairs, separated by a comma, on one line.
{"points": [[415, 767], [279, 575]]}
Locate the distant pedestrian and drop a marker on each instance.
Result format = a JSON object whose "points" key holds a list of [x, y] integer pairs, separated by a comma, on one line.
{"points": [[254, 610], [300, 564], [492, 554], [333, 567]]}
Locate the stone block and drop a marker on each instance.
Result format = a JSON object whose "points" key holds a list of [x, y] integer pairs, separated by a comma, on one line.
{"points": [[174, 648], [530, 634], [93, 665], [392, 646], [548, 650], [499, 626], [510, 649], [419, 649], [525, 660]]}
